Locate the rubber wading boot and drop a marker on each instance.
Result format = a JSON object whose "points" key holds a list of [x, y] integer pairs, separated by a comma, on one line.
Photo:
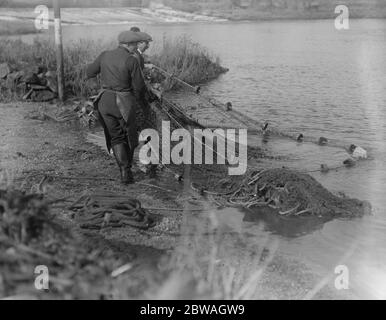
{"points": [[123, 154]]}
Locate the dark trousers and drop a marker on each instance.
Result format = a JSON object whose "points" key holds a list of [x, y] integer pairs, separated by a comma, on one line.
{"points": [[143, 115], [113, 119]]}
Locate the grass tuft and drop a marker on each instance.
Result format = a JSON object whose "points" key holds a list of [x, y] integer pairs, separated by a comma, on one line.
{"points": [[188, 60]]}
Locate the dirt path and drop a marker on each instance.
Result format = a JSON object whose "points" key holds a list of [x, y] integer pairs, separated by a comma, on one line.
{"points": [[31, 148]]}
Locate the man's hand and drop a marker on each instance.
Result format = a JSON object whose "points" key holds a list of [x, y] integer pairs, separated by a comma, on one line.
{"points": [[158, 94], [152, 95]]}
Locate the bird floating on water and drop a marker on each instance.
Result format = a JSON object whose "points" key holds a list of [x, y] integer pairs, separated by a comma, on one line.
{"points": [[300, 138], [264, 127]]}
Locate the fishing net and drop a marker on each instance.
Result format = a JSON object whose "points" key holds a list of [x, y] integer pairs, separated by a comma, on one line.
{"points": [[107, 209], [289, 192]]}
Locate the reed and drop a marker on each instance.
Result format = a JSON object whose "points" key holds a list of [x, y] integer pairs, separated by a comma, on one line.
{"points": [[188, 60], [21, 55]]}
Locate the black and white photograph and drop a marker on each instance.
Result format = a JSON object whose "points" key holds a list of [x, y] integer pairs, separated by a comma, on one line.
{"points": [[192, 156]]}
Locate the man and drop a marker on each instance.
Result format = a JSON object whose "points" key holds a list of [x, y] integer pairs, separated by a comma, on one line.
{"points": [[143, 112], [142, 47], [122, 86]]}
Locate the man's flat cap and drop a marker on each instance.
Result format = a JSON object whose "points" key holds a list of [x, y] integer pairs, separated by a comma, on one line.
{"points": [[129, 37], [145, 36]]}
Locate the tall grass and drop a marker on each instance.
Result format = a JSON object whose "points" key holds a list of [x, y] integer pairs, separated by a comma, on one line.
{"points": [[187, 60], [181, 56], [212, 260], [21, 56]]}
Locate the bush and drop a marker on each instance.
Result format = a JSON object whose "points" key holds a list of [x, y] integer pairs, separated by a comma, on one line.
{"points": [[188, 60]]}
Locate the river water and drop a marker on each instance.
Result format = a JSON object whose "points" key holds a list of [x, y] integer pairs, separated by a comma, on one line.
{"points": [[306, 77]]}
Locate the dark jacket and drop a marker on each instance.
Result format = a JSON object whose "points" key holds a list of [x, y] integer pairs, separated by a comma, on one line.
{"points": [[120, 71], [140, 58], [121, 74]]}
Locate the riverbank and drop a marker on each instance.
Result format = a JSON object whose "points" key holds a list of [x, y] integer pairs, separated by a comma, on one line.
{"points": [[32, 147]]}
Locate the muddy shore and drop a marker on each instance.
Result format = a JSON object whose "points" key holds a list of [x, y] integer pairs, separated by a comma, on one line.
{"points": [[31, 147]]}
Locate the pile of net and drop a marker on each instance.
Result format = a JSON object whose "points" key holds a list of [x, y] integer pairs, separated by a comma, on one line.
{"points": [[289, 192], [108, 209]]}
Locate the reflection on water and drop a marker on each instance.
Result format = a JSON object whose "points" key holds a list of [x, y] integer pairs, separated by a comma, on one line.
{"points": [[306, 77], [289, 227]]}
